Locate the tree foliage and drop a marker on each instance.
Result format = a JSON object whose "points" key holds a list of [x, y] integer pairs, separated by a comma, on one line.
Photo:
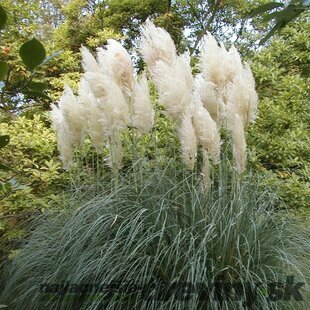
{"points": [[280, 143], [19, 84], [290, 11]]}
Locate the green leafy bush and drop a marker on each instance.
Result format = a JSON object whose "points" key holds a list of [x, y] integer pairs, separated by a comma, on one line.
{"points": [[35, 179], [279, 141]]}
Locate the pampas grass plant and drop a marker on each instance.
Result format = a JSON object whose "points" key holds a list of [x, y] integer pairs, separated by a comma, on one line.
{"points": [[159, 229], [199, 222], [112, 100]]}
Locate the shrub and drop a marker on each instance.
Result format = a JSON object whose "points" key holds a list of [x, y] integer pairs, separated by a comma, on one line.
{"points": [[35, 177], [279, 140]]}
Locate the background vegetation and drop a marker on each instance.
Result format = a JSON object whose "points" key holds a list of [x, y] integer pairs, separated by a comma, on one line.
{"points": [[34, 182]]}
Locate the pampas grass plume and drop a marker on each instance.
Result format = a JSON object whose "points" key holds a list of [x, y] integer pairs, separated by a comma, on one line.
{"points": [[242, 97], [115, 62], [143, 111], [188, 139], [89, 62], [206, 129], [210, 99], [239, 143], [174, 82], [205, 172], [156, 44], [111, 99], [72, 113], [64, 143], [218, 65], [93, 114]]}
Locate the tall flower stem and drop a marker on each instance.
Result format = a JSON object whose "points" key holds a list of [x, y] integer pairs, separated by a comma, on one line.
{"points": [[114, 164]]}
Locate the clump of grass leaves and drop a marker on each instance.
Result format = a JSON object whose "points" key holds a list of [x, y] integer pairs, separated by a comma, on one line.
{"points": [[159, 227]]}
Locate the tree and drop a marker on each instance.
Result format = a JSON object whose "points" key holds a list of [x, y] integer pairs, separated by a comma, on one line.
{"points": [[279, 140], [289, 12], [19, 191], [20, 65]]}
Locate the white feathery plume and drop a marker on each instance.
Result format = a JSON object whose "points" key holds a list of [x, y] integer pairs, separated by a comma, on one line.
{"points": [[106, 117], [188, 139], [98, 84], [242, 97], [114, 117], [174, 82], [218, 65], [234, 63], [206, 129], [115, 62], [239, 142], [93, 114], [64, 142], [115, 111], [156, 44], [143, 111], [73, 115], [213, 60], [103, 92], [108, 92], [210, 99], [89, 62]]}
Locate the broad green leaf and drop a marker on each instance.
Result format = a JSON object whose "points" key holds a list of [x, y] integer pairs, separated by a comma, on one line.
{"points": [[4, 68], [276, 15], [284, 16], [4, 140], [8, 186], [37, 86], [4, 167], [32, 53], [266, 7], [270, 33], [3, 17], [35, 94]]}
